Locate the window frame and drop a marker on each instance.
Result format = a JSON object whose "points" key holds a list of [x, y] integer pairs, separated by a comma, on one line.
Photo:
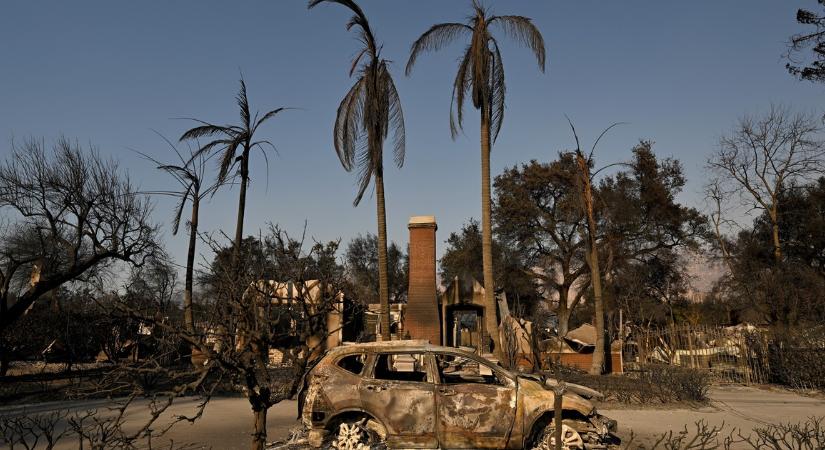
{"points": [[426, 358], [367, 362], [505, 379]]}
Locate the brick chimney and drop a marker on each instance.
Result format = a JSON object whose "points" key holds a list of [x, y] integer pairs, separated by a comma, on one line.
{"points": [[421, 318]]}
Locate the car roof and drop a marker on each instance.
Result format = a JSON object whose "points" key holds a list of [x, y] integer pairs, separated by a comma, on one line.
{"points": [[406, 346], [392, 346]]}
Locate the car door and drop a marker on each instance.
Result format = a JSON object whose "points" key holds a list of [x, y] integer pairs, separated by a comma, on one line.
{"points": [[476, 403], [400, 392]]}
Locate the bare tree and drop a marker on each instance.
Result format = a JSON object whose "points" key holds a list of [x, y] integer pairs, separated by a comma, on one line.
{"points": [[257, 332], [763, 155], [69, 211]]}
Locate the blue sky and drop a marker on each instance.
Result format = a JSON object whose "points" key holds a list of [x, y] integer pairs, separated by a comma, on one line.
{"points": [[680, 73]]}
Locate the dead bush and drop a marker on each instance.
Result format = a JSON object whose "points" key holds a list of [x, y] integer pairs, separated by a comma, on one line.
{"points": [[89, 429], [655, 383], [784, 436], [676, 384]]}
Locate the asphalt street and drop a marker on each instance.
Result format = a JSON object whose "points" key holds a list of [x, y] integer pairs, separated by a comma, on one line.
{"points": [[227, 421]]}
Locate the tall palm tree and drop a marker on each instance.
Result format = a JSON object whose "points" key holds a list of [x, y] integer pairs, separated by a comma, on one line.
{"points": [[234, 144], [190, 175], [481, 74], [366, 115]]}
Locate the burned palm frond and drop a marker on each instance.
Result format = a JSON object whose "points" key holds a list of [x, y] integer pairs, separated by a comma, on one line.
{"points": [[481, 69], [370, 111], [233, 145], [367, 115]]}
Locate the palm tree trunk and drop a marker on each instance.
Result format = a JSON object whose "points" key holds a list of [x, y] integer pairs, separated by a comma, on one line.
{"points": [[597, 368], [383, 284], [241, 206], [188, 317], [490, 316]]}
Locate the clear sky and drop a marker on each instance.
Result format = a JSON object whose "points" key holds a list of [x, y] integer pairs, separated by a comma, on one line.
{"points": [[106, 72]]}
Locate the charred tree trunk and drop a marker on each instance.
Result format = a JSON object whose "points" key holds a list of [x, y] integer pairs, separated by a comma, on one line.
{"points": [[241, 205], [5, 359], [259, 436], [597, 367], [490, 317], [188, 317]]}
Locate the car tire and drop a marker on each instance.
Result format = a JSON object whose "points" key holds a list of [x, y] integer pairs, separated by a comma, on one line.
{"points": [[570, 438], [354, 434]]}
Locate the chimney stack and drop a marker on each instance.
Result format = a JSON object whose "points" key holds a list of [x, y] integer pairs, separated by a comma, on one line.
{"points": [[422, 320]]}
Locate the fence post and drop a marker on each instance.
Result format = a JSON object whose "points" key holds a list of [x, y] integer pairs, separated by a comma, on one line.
{"points": [[689, 331], [743, 358]]}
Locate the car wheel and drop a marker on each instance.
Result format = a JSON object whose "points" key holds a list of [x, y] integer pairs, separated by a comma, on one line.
{"points": [[354, 434], [570, 439]]}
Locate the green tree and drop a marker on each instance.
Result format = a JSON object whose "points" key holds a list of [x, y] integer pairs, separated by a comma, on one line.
{"points": [[811, 70], [463, 257], [362, 266], [537, 210], [639, 212], [481, 74], [789, 293], [234, 145], [366, 115]]}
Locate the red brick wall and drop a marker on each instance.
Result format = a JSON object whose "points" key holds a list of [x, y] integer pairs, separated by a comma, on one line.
{"points": [[421, 318]]}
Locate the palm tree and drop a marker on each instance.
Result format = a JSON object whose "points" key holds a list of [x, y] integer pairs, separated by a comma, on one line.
{"points": [[584, 164], [234, 143], [481, 74], [190, 175], [366, 115]]}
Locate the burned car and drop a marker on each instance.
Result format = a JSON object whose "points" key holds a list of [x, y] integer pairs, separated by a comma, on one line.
{"points": [[411, 394]]}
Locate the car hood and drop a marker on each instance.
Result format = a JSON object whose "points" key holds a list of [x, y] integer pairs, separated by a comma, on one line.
{"points": [[582, 391], [529, 387]]}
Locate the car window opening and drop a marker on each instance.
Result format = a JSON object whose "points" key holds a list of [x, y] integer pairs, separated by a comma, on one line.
{"points": [[459, 370], [400, 367], [353, 363]]}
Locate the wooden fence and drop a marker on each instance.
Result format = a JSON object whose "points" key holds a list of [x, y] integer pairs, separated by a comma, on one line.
{"points": [[730, 354]]}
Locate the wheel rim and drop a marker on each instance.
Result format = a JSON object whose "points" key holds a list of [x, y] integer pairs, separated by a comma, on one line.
{"points": [[570, 439], [351, 436]]}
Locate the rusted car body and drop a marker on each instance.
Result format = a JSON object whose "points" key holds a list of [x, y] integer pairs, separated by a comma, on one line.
{"points": [[415, 395]]}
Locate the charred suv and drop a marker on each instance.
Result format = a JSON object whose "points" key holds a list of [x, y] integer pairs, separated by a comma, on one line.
{"points": [[415, 395]]}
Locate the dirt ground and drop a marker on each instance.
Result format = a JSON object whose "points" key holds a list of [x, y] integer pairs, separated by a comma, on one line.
{"points": [[227, 422]]}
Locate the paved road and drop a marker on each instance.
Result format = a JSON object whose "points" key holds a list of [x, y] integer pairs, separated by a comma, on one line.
{"points": [[227, 422], [737, 407]]}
